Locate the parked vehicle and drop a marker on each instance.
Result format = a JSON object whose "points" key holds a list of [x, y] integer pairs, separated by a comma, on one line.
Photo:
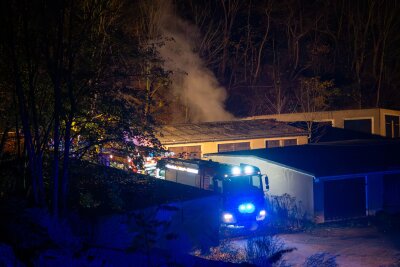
{"points": [[240, 187]]}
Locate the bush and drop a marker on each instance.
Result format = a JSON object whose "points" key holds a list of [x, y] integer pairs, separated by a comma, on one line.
{"points": [[266, 251], [321, 259], [225, 252], [285, 212]]}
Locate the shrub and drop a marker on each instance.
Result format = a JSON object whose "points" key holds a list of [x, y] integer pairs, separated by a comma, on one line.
{"points": [[225, 252], [285, 212], [266, 251], [321, 259]]}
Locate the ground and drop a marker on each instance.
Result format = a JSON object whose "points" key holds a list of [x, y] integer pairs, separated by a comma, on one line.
{"points": [[352, 245]]}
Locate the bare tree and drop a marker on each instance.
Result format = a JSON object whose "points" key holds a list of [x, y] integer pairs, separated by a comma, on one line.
{"points": [[312, 97]]}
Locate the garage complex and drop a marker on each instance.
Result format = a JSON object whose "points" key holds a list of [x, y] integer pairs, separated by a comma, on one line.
{"points": [[330, 181]]}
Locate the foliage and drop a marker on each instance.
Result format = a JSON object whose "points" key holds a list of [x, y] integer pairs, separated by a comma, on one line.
{"points": [[266, 251], [287, 213], [225, 252], [263, 250], [87, 201], [70, 71], [313, 94], [151, 228], [322, 259]]}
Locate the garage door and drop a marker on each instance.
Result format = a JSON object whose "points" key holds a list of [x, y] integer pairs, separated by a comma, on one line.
{"points": [[344, 198]]}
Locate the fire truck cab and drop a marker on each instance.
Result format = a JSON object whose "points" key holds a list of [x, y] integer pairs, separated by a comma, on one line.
{"points": [[240, 187]]}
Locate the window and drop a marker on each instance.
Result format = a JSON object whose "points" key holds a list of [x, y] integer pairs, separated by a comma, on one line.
{"points": [[359, 125], [392, 126], [233, 147], [186, 152], [289, 142], [271, 143], [256, 181]]}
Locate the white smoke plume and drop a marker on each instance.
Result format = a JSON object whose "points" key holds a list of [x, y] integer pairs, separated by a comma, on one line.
{"points": [[196, 85]]}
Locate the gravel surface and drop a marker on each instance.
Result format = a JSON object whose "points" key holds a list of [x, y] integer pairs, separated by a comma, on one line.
{"points": [[352, 246], [365, 246]]}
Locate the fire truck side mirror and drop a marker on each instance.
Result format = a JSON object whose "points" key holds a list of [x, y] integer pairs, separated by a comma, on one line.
{"points": [[266, 182]]}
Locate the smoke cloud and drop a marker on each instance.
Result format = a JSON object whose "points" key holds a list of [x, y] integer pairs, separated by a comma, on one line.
{"points": [[196, 86]]}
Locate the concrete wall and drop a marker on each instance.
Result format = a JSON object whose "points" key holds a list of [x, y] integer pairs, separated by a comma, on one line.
{"points": [[281, 180], [381, 121], [337, 117], [212, 147]]}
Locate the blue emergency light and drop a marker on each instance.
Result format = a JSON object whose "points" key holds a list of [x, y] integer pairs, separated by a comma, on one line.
{"points": [[247, 208]]}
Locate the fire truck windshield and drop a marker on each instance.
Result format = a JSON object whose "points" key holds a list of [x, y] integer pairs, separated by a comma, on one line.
{"points": [[236, 185]]}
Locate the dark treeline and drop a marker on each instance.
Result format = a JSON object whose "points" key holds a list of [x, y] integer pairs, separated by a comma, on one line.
{"points": [[269, 54], [74, 77]]}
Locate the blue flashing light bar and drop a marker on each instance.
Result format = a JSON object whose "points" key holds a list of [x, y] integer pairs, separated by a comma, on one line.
{"points": [[247, 208]]}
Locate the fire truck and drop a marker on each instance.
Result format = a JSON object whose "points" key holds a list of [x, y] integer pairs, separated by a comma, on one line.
{"points": [[240, 187]]}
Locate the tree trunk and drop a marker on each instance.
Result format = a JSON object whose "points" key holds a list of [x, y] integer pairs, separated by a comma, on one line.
{"points": [[3, 140], [56, 138]]}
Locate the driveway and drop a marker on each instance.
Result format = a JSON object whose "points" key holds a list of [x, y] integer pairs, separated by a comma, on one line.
{"points": [[353, 246]]}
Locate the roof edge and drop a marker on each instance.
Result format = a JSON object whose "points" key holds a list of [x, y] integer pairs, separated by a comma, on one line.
{"points": [[357, 173], [234, 138], [267, 160]]}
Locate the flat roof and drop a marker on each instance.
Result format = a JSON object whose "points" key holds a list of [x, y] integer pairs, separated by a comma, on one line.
{"points": [[333, 158], [322, 112], [226, 130]]}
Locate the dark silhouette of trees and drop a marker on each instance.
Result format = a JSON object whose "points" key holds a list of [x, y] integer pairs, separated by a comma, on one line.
{"points": [[266, 47], [70, 71]]}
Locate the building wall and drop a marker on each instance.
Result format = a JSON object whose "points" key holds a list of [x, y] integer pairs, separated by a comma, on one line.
{"points": [[383, 113], [338, 117], [281, 181], [212, 147], [308, 192]]}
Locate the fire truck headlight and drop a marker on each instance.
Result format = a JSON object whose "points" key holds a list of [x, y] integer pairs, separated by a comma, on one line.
{"points": [[248, 170], [236, 170], [261, 215], [246, 208], [228, 217]]}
